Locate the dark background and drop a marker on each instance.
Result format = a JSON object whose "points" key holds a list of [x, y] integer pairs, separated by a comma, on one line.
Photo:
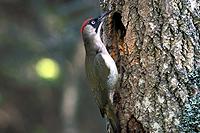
{"points": [[43, 88]]}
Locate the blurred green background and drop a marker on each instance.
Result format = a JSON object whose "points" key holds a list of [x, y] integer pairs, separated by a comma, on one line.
{"points": [[43, 88]]}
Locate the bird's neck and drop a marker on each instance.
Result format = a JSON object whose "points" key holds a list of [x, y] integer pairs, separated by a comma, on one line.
{"points": [[95, 46]]}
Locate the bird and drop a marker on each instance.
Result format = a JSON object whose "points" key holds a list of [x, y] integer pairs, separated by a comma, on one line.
{"points": [[101, 69]]}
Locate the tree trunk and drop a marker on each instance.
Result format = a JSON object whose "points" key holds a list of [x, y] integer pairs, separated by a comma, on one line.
{"points": [[156, 46]]}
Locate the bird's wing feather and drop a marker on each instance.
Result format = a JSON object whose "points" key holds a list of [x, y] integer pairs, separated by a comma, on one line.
{"points": [[102, 70]]}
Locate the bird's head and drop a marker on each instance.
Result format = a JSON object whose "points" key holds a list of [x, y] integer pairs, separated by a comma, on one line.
{"points": [[92, 26]]}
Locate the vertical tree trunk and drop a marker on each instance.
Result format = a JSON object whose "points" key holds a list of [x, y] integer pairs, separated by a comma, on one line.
{"points": [[156, 46]]}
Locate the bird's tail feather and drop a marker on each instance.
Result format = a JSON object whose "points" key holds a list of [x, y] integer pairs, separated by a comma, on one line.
{"points": [[112, 118]]}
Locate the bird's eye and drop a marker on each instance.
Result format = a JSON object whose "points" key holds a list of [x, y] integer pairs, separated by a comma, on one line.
{"points": [[93, 22]]}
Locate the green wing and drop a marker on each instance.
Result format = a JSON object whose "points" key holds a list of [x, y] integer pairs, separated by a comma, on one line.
{"points": [[102, 70]]}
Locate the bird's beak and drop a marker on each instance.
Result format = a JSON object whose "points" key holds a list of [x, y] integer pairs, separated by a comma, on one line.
{"points": [[102, 17], [101, 20]]}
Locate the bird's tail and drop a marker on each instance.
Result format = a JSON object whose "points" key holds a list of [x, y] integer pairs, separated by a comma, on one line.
{"points": [[112, 118]]}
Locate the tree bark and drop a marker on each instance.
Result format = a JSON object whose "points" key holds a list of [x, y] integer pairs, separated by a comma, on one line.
{"points": [[156, 46]]}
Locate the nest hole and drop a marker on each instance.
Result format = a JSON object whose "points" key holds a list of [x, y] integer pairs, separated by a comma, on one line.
{"points": [[117, 25]]}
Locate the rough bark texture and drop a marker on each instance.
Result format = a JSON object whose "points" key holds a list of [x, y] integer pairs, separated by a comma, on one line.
{"points": [[156, 46]]}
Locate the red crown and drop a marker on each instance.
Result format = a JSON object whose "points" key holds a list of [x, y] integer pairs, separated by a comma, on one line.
{"points": [[84, 24]]}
